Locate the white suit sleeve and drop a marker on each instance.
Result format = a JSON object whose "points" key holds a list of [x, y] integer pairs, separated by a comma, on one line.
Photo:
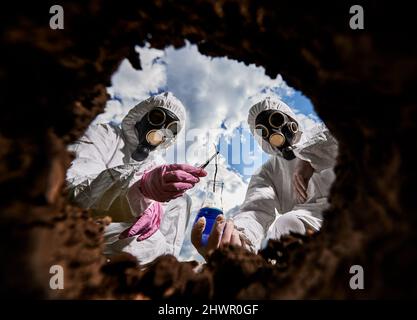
{"points": [[92, 184], [257, 212], [320, 149]]}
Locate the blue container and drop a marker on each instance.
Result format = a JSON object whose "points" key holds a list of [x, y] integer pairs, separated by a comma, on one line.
{"points": [[210, 214]]}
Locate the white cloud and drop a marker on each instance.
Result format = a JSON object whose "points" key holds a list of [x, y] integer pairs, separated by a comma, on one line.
{"points": [[130, 86], [216, 91], [219, 89]]}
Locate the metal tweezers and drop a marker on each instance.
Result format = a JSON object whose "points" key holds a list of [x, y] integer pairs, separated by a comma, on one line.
{"points": [[208, 161]]}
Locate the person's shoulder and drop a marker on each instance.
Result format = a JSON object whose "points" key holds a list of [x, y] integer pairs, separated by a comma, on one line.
{"points": [[315, 135], [266, 172], [270, 165], [272, 160], [103, 129], [105, 136]]}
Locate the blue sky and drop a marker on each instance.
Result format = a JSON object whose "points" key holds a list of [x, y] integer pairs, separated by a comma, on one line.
{"points": [[217, 94]]}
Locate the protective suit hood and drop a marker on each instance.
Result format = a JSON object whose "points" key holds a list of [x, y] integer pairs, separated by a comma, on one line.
{"points": [[164, 100], [268, 104]]}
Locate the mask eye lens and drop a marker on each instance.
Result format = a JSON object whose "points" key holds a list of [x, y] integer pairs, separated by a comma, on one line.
{"points": [[156, 117], [262, 130], [276, 119], [173, 127], [154, 137], [276, 139], [293, 127]]}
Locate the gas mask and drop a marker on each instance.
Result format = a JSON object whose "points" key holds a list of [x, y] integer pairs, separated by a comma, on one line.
{"points": [[279, 130], [156, 127]]}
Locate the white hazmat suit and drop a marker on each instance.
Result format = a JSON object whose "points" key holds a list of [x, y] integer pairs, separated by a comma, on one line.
{"points": [[103, 171], [270, 193]]}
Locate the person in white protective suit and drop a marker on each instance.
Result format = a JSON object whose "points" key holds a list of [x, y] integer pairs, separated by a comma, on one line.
{"points": [[120, 172], [289, 192]]}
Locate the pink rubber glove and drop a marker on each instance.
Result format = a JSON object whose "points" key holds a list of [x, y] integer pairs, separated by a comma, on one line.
{"points": [[147, 224], [168, 182]]}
